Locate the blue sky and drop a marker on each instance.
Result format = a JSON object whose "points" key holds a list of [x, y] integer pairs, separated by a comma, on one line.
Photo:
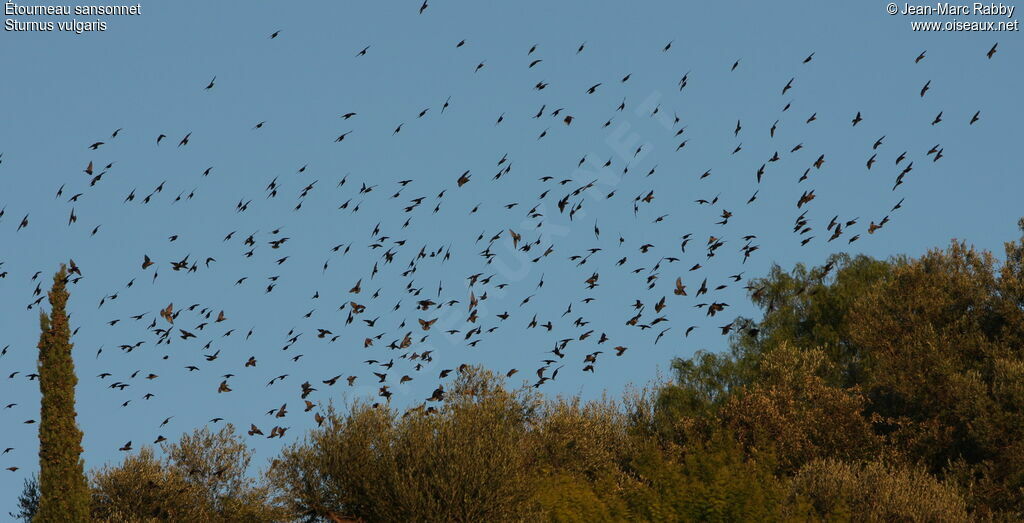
{"points": [[146, 75]]}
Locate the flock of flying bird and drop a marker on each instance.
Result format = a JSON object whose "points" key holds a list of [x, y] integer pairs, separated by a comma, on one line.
{"points": [[400, 346]]}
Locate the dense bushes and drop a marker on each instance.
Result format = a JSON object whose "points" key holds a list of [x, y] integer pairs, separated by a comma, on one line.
{"points": [[875, 491], [469, 461], [201, 479]]}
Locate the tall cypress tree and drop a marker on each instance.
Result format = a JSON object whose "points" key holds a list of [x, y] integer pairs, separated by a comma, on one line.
{"points": [[64, 492]]}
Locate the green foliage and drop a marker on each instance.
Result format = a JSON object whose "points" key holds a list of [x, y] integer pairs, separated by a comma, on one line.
{"points": [[807, 307], [875, 491], [64, 491], [489, 454], [28, 501], [468, 461], [942, 340], [141, 489], [578, 451], [917, 360], [582, 439], [711, 481], [563, 497], [792, 410], [202, 478]]}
